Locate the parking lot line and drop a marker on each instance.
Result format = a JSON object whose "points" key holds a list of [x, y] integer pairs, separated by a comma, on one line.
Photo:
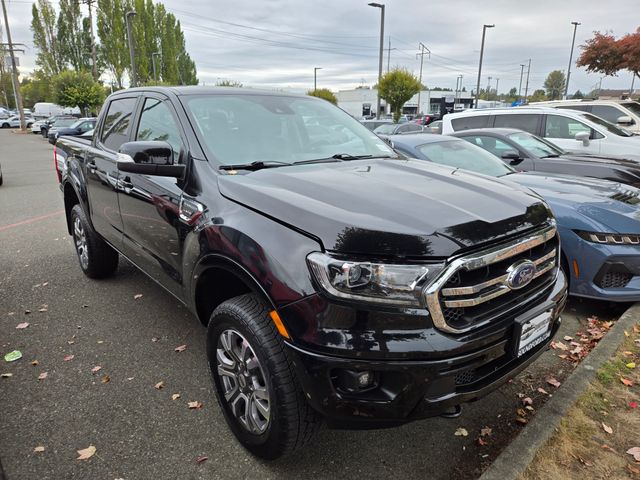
{"points": [[30, 220]]}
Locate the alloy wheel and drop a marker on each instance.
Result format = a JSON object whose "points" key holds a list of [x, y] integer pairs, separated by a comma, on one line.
{"points": [[80, 238]]}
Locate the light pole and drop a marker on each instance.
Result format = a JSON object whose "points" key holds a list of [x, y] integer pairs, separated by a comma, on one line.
{"points": [[315, 77], [423, 50], [484, 31], [381, 7], [573, 42], [132, 53], [520, 86], [14, 71], [153, 62]]}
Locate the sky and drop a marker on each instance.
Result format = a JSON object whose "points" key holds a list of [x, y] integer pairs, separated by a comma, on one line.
{"points": [[277, 43]]}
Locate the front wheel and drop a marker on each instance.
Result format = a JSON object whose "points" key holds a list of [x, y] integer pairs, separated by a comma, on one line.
{"points": [[97, 258], [255, 381]]}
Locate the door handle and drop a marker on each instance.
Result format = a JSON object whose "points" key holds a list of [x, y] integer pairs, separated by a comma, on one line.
{"points": [[92, 167], [126, 183]]}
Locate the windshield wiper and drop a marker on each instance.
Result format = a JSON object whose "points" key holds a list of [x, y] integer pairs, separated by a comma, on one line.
{"points": [[348, 156], [253, 166], [551, 155]]}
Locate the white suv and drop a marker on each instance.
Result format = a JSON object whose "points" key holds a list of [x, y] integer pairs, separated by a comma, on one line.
{"points": [[624, 113], [569, 129]]}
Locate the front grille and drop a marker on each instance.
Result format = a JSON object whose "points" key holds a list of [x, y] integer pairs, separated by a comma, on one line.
{"points": [[626, 196], [479, 288], [615, 280], [466, 377]]}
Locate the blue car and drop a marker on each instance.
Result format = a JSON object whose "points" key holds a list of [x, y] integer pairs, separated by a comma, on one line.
{"points": [[598, 220]]}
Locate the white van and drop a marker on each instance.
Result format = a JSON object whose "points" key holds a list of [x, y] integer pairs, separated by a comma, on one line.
{"points": [[569, 129], [623, 113]]}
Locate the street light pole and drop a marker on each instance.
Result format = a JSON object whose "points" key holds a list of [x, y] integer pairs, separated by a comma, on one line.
{"points": [[573, 42], [381, 7], [526, 87], [423, 50], [315, 77], [484, 31], [520, 86], [14, 69], [132, 53]]}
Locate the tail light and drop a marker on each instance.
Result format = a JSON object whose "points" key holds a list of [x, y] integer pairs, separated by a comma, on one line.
{"points": [[55, 164]]}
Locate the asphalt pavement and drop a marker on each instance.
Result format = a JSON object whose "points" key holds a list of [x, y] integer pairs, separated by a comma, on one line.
{"points": [[139, 431]]}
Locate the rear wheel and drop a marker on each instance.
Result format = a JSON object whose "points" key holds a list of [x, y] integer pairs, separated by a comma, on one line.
{"points": [[255, 381], [97, 258]]}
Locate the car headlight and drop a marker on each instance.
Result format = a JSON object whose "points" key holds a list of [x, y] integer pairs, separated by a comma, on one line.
{"points": [[394, 284], [611, 238]]}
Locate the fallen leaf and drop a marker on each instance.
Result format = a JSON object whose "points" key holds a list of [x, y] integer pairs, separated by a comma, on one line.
{"points": [[45, 284], [626, 382], [86, 453], [607, 447], [530, 408], [607, 428], [154, 339], [481, 442], [180, 348], [43, 308], [137, 296], [39, 449], [568, 338], [195, 404], [553, 382], [68, 358], [461, 432], [559, 346], [527, 401], [632, 469], [13, 356], [7, 375], [635, 451], [633, 405], [201, 459], [631, 365], [486, 431], [42, 376], [100, 341], [22, 325], [105, 379], [159, 385], [627, 353], [626, 334], [543, 391], [175, 396], [130, 378], [522, 420], [95, 369]]}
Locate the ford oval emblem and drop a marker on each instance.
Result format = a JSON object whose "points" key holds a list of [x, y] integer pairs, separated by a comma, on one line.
{"points": [[520, 274]]}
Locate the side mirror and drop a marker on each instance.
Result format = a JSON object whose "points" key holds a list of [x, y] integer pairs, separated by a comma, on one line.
{"points": [[583, 137], [625, 120], [149, 158], [512, 156]]}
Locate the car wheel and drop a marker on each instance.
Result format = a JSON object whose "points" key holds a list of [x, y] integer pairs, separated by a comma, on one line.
{"points": [[255, 380], [5, 125], [97, 258]]}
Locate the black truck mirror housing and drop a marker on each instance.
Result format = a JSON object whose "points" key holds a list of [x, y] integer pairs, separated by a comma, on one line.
{"points": [[149, 158]]}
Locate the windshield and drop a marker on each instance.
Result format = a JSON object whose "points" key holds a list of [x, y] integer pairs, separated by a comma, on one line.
{"points": [[633, 106], [461, 154], [240, 129], [386, 129], [536, 145], [611, 128], [65, 122]]}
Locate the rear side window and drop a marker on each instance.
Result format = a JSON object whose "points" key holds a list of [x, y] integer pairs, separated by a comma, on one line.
{"points": [[564, 127], [609, 113], [467, 123], [117, 123], [526, 122]]}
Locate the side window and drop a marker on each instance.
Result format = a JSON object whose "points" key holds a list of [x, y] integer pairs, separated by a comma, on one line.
{"points": [[609, 113], [117, 123], [413, 127], [526, 122], [85, 127], [582, 108], [158, 123], [492, 145], [467, 123], [564, 127]]}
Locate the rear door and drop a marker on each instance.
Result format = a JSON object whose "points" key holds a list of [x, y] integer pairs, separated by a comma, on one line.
{"points": [[562, 130], [102, 172], [149, 205]]}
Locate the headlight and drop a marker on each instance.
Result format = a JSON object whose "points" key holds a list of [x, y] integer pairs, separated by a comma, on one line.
{"points": [[393, 284], [611, 238]]}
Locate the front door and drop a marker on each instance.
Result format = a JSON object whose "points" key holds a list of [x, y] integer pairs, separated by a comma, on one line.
{"points": [[562, 131]]}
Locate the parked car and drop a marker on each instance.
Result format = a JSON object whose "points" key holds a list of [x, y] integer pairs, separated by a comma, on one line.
{"points": [[426, 119], [528, 152], [623, 113], [373, 124], [333, 283], [36, 127], [598, 220], [435, 127], [571, 130], [77, 128], [398, 128], [57, 121], [14, 122]]}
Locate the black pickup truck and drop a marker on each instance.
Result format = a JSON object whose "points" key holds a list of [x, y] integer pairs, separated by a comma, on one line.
{"points": [[338, 280]]}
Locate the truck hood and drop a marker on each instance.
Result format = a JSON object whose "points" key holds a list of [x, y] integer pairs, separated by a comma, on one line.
{"points": [[388, 208], [586, 203]]}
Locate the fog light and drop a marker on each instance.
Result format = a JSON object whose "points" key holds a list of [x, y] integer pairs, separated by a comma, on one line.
{"points": [[365, 379], [354, 381]]}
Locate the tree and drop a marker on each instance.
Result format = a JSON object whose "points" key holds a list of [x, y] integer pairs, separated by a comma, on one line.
{"points": [[77, 89], [538, 96], [397, 87], [228, 83], [554, 84], [113, 49], [604, 54], [36, 89], [75, 47], [577, 95], [43, 24], [325, 94]]}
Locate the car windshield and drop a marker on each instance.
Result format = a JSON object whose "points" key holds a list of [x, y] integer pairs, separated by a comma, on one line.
{"points": [[633, 106], [535, 145], [386, 129], [65, 122], [240, 129], [461, 154], [611, 128]]}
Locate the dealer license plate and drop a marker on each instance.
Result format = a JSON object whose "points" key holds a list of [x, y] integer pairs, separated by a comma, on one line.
{"points": [[533, 332]]}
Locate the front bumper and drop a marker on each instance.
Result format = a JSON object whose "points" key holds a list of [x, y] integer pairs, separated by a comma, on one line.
{"points": [[406, 390]]}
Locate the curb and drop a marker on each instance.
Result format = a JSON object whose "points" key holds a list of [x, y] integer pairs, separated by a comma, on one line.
{"points": [[516, 457]]}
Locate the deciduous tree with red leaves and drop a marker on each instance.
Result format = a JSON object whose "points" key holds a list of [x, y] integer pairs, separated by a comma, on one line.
{"points": [[607, 55]]}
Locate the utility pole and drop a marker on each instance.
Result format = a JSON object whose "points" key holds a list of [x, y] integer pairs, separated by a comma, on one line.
{"points": [[14, 76], [389, 55], [132, 52], [484, 31], [599, 85], [520, 86], [497, 82], [423, 50], [489, 87], [526, 87], [381, 7], [573, 42], [458, 94], [315, 77], [94, 68]]}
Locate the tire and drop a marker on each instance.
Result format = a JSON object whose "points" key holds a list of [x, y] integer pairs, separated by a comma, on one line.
{"points": [[267, 368], [5, 125], [97, 259]]}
